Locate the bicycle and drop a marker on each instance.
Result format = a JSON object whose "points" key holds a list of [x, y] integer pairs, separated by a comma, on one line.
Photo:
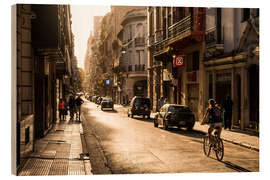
{"points": [[216, 143]]}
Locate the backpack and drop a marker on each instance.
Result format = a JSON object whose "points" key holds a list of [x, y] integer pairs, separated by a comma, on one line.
{"points": [[217, 114], [79, 101]]}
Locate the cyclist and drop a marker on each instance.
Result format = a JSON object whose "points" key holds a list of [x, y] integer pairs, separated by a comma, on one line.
{"points": [[213, 113]]}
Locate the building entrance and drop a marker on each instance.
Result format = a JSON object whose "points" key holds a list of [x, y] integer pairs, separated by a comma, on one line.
{"points": [[254, 97]]}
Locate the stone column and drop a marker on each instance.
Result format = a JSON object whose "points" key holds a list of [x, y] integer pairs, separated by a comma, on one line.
{"points": [[244, 98]]}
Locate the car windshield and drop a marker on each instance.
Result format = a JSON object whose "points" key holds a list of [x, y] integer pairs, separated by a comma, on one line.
{"points": [[107, 99], [141, 101], [175, 109]]}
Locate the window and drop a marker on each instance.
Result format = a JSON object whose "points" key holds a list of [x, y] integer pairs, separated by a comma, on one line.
{"points": [[193, 61], [169, 17], [157, 18], [130, 33], [245, 14], [178, 14], [27, 135], [218, 25], [151, 24]]}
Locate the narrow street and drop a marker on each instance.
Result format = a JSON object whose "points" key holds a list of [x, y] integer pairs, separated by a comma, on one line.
{"points": [[122, 145]]}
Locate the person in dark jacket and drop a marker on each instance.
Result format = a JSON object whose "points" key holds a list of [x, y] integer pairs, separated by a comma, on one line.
{"points": [[227, 106], [78, 103], [71, 104], [61, 107]]}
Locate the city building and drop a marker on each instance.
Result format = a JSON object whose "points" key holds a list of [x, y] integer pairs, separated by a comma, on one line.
{"points": [[232, 62], [176, 34], [133, 58], [44, 49], [120, 68]]}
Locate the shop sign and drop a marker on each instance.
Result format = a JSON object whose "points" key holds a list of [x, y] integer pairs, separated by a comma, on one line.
{"points": [[178, 61], [167, 76]]}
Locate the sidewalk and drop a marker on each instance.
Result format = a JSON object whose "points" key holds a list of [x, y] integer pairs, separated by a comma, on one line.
{"points": [[234, 136], [60, 152]]}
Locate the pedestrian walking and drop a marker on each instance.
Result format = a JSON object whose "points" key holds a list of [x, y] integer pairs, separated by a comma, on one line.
{"points": [[227, 106], [65, 108], [61, 107], [160, 102], [71, 104], [78, 103]]}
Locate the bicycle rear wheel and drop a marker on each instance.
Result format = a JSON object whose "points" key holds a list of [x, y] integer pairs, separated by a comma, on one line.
{"points": [[206, 145], [219, 150]]}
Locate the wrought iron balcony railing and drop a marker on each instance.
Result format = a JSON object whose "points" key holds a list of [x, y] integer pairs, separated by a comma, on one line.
{"points": [[139, 41], [151, 40], [140, 67], [180, 27]]}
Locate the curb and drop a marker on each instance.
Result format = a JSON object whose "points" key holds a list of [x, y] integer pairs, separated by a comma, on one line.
{"points": [[85, 157], [242, 144]]}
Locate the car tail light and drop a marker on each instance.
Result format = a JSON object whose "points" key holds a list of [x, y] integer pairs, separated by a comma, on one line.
{"points": [[191, 118]]}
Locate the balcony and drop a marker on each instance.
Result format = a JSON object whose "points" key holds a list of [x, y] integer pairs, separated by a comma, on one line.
{"points": [[139, 41], [151, 40], [158, 36], [180, 29], [161, 47], [139, 70], [140, 67], [214, 44]]}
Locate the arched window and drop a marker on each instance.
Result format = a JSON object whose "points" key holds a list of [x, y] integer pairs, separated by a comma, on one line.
{"points": [[139, 30]]}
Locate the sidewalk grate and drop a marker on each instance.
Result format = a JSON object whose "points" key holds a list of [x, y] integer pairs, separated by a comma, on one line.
{"points": [[76, 168], [59, 167]]}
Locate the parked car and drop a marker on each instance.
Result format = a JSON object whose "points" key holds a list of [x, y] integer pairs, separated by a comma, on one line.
{"points": [[94, 98], [174, 115], [99, 99], [139, 106], [106, 103]]}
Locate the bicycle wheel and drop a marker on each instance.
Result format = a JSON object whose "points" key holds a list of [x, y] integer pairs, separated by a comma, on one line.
{"points": [[219, 150], [206, 145]]}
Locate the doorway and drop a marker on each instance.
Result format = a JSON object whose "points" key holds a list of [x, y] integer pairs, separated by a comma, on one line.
{"points": [[254, 97]]}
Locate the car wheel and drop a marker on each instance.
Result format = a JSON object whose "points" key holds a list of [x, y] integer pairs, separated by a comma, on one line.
{"points": [[143, 116], [131, 115], [189, 128], [155, 123], [165, 125], [148, 116]]}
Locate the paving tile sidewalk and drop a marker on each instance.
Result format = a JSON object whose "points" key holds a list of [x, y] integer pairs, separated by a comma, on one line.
{"points": [[60, 152], [234, 136]]}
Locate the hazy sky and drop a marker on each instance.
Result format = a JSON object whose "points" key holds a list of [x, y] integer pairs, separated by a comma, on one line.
{"points": [[82, 24]]}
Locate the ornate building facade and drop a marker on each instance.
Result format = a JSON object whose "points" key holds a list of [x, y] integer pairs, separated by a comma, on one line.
{"points": [[44, 44]]}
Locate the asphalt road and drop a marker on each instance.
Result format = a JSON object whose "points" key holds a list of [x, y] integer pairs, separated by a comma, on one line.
{"points": [[118, 144]]}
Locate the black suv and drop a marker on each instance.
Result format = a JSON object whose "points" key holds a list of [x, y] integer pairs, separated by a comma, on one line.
{"points": [[106, 103], [139, 106]]}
